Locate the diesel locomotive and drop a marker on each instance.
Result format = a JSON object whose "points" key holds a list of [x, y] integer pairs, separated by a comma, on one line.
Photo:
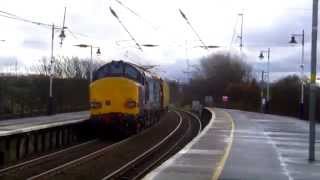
{"points": [[126, 97]]}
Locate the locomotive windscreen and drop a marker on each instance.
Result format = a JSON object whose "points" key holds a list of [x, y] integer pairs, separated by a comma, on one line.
{"points": [[118, 69]]}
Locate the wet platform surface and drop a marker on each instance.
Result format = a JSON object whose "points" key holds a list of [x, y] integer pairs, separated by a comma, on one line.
{"points": [[202, 156], [270, 147], [16, 126], [261, 147]]}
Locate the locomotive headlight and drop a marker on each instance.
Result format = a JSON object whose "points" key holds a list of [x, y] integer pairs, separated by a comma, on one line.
{"points": [[107, 103], [95, 105], [131, 104]]}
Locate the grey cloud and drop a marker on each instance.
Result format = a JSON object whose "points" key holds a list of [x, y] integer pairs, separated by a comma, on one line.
{"points": [[82, 27], [284, 61], [287, 65], [35, 44], [279, 33], [174, 71], [7, 62]]}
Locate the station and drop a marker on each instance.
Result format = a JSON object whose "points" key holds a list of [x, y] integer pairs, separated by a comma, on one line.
{"points": [[159, 90]]}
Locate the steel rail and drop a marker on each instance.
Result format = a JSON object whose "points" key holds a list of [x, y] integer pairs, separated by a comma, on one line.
{"points": [[86, 157], [168, 151], [79, 160], [196, 117], [146, 152], [46, 156]]}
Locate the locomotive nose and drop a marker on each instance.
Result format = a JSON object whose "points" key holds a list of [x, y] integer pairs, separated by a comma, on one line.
{"points": [[114, 95]]}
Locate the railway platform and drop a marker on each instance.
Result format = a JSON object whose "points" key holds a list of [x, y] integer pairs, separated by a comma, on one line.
{"points": [[203, 157], [243, 145], [22, 125], [20, 138]]}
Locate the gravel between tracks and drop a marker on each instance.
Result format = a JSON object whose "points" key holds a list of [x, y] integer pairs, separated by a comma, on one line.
{"points": [[115, 157]]}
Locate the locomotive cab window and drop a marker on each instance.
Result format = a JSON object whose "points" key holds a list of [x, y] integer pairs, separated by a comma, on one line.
{"points": [[101, 73], [119, 69], [111, 69], [132, 73], [116, 68]]}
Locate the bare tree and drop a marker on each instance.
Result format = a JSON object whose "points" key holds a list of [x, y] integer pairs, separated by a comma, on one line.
{"points": [[42, 67], [66, 67], [221, 69], [226, 66]]}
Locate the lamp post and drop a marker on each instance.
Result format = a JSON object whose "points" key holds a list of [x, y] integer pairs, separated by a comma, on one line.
{"points": [[50, 100], [262, 92], [313, 74], [2, 40], [209, 46], [130, 46], [261, 56], [98, 53], [51, 69], [149, 45], [293, 41], [141, 45], [241, 31]]}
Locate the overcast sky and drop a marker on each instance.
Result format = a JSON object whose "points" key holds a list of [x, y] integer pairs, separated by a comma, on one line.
{"points": [[267, 24]]}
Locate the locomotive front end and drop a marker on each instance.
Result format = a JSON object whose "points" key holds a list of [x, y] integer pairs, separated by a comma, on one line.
{"points": [[114, 97]]}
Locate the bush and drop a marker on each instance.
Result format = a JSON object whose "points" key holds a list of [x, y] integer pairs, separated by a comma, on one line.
{"points": [[28, 95]]}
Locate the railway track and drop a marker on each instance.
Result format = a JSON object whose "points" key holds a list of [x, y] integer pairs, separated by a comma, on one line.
{"points": [[37, 165], [127, 159], [189, 126]]}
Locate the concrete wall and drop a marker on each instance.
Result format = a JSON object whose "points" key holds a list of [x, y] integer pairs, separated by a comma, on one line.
{"points": [[19, 146]]}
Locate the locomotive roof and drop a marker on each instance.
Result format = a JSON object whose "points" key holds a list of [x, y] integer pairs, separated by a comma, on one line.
{"points": [[141, 69], [145, 71]]}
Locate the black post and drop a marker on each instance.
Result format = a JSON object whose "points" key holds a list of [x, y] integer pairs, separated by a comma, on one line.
{"points": [[301, 110], [267, 106], [50, 105], [262, 93], [50, 100]]}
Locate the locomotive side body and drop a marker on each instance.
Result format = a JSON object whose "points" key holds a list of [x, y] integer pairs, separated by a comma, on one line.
{"points": [[166, 95]]}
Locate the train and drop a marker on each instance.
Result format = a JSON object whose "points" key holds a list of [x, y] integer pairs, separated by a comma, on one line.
{"points": [[126, 98]]}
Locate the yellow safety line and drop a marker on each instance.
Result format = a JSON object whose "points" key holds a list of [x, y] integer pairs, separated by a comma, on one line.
{"points": [[218, 171]]}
